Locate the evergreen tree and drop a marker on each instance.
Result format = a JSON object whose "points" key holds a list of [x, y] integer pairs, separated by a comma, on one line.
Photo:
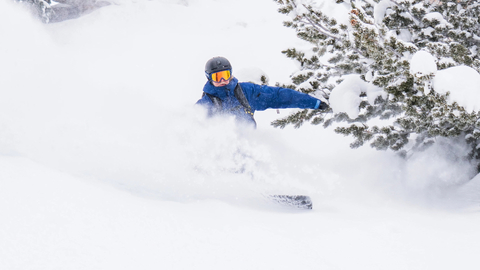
{"points": [[376, 44]]}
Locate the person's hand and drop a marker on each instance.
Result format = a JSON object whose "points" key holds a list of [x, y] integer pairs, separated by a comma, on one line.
{"points": [[323, 106]]}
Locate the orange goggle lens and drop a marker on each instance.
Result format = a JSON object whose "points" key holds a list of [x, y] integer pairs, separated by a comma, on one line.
{"points": [[218, 76]]}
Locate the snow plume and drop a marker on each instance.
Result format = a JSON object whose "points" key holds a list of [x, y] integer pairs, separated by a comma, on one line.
{"points": [[99, 98], [93, 107], [436, 174]]}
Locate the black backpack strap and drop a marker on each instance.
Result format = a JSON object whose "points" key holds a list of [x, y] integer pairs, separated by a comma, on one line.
{"points": [[238, 91], [217, 102]]}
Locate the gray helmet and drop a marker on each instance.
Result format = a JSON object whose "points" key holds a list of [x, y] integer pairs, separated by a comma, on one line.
{"points": [[217, 64]]}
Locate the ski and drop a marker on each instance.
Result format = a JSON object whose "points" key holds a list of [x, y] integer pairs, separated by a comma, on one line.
{"points": [[297, 201]]}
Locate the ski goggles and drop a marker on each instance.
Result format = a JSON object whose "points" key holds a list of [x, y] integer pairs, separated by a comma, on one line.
{"points": [[221, 75]]}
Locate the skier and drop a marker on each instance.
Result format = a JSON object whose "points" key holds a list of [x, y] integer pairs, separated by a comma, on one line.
{"points": [[223, 94]]}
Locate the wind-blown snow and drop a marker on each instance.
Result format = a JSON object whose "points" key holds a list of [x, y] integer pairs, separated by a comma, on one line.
{"points": [[106, 164]]}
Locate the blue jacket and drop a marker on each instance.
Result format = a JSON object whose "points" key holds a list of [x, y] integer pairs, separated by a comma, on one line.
{"points": [[260, 97]]}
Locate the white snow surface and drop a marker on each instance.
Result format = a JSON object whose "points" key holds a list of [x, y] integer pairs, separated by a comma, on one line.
{"points": [[106, 164]]}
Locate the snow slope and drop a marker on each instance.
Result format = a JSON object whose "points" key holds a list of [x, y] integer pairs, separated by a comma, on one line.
{"points": [[105, 163]]}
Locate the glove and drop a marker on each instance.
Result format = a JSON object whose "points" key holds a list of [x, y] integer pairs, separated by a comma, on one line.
{"points": [[323, 106]]}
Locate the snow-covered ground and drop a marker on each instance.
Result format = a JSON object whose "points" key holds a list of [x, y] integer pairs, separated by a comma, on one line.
{"points": [[105, 163]]}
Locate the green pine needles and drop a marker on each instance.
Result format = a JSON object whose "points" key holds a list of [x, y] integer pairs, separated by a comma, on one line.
{"points": [[409, 114]]}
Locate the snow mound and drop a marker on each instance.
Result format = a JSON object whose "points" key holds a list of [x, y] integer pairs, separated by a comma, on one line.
{"points": [[463, 83], [346, 96], [380, 10], [423, 63]]}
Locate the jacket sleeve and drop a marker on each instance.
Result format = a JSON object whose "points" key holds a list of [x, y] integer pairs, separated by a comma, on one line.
{"points": [[207, 103], [262, 97]]}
